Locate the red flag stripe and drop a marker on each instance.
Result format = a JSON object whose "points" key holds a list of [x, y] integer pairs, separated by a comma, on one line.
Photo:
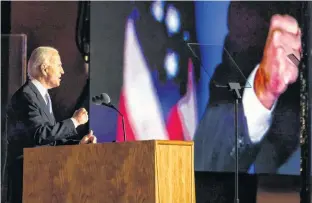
{"points": [[129, 132], [174, 125]]}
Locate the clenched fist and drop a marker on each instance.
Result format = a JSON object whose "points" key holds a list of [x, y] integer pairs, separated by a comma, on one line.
{"points": [[81, 116], [276, 70]]}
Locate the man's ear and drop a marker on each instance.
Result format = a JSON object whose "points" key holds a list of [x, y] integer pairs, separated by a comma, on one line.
{"points": [[43, 69]]}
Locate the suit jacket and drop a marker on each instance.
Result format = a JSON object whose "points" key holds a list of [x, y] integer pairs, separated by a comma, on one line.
{"points": [[30, 124], [248, 24]]}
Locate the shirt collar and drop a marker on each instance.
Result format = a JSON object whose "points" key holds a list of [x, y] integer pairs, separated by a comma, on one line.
{"points": [[43, 91]]}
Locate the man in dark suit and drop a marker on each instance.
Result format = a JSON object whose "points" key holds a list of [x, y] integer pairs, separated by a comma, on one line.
{"points": [[268, 115], [31, 122]]}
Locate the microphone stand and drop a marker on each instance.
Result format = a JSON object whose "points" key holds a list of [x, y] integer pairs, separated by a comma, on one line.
{"points": [[123, 128], [122, 119], [235, 88]]}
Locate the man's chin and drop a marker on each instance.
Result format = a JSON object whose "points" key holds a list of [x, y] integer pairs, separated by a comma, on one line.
{"points": [[56, 85]]}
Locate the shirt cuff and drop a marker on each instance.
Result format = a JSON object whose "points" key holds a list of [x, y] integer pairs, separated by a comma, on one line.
{"points": [[75, 122], [258, 117]]}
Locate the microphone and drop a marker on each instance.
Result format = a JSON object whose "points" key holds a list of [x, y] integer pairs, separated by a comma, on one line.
{"points": [[104, 99]]}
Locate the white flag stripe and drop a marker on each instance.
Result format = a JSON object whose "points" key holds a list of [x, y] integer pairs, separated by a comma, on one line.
{"points": [[187, 107], [141, 102]]}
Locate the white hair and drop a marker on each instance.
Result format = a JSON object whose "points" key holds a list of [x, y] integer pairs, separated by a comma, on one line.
{"points": [[39, 56]]}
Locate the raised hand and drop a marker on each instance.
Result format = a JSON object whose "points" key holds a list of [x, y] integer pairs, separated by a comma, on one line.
{"points": [[81, 116], [276, 70]]}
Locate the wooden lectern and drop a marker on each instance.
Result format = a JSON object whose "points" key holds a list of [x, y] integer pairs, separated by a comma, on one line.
{"points": [[125, 172]]}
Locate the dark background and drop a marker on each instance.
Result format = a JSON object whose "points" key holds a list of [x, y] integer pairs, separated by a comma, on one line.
{"points": [[45, 24], [53, 24]]}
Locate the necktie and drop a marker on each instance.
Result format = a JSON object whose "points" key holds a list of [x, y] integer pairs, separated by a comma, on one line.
{"points": [[49, 103]]}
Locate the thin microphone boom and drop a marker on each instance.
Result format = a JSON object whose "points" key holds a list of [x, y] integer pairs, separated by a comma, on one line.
{"points": [[122, 118], [104, 100]]}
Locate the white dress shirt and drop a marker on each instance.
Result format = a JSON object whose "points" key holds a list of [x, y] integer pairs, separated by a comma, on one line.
{"points": [[43, 91], [258, 117]]}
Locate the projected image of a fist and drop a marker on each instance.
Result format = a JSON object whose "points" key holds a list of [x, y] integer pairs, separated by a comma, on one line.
{"points": [[277, 70]]}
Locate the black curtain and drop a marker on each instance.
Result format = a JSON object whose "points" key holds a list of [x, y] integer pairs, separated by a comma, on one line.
{"points": [[5, 29], [305, 103]]}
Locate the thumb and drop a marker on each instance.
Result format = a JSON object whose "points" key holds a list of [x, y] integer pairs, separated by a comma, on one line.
{"points": [[84, 139], [94, 140], [91, 132]]}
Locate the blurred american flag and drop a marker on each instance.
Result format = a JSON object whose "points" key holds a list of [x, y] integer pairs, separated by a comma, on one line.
{"points": [[139, 102]]}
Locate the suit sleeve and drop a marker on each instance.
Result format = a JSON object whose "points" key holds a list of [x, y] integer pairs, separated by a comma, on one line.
{"points": [[43, 132], [215, 140], [215, 136]]}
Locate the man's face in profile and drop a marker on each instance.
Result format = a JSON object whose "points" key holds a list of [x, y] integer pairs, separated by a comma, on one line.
{"points": [[54, 71]]}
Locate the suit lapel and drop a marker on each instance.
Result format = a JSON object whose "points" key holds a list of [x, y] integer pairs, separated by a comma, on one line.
{"points": [[42, 102]]}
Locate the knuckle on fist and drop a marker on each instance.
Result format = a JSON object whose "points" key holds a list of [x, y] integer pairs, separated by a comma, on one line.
{"points": [[275, 19]]}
